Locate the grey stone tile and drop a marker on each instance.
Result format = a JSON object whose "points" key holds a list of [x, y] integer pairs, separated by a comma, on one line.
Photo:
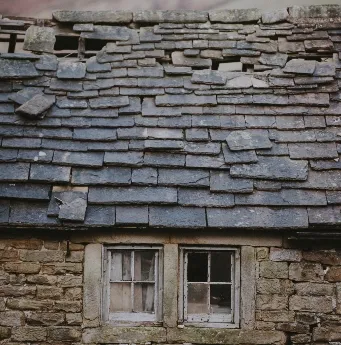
{"points": [[25, 191], [99, 215], [258, 218], [14, 171], [177, 217], [132, 195], [105, 176], [50, 173], [133, 215]]}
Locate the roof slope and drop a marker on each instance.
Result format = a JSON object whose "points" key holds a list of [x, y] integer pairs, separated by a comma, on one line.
{"points": [[146, 131]]}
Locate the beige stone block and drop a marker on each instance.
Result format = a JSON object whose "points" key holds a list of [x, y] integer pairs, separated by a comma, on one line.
{"points": [[62, 268], [4, 332], [28, 304], [314, 289], [292, 327], [306, 272], [70, 281], [275, 316], [271, 302], [265, 326], [71, 307], [74, 319], [262, 254], [327, 334], [311, 304], [49, 292], [269, 269], [45, 319], [31, 243], [75, 256], [42, 279], [42, 255], [17, 291], [12, 318], [22, 267], [51, 245], [9, 255], [29, 333], [73, 294], [324, 257], [281, 254], [301, 338], [64, 334]]}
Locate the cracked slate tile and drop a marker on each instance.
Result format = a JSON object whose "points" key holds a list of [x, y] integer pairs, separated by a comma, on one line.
{"points": [[248, 140]]}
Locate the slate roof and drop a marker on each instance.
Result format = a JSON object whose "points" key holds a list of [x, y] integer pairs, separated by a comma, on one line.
{"points": [[146, 132]]}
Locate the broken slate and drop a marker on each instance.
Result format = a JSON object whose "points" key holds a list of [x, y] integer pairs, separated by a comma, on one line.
{"points": [[36, 106]]}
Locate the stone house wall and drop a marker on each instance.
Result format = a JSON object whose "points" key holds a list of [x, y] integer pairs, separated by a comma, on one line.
{"points": [[298, 298]]}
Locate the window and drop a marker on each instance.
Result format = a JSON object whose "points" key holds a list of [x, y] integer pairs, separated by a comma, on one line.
{"points": [[132, 289], [210, 289]]}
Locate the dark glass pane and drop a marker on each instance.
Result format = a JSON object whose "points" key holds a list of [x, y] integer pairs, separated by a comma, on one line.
{"points": [[220, 299], [144, 297], [144, 265], [197, 301], [221, 266], [197, 267]]}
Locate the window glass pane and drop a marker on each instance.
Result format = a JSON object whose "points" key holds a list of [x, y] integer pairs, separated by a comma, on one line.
{"points": [[144, 297], [144, 265], [197, 267], [120, 297], [221, 266], [121, 266], [220, 299], [197, 299]]}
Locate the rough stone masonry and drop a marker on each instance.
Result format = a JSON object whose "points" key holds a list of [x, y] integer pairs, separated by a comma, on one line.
{"points": [[128, 120]]}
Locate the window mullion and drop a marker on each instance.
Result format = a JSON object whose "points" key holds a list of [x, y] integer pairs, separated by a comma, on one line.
{"points": [[185, 286], [209, 282], [233, 293], [132, 265]]}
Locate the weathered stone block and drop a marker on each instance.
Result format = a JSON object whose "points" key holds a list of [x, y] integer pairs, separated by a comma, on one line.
{"points": [[42, 256], [71, 70], [306, 272], [17, 69], [92, 17], [314, 289], [248, 140], [275, 16], [36, 106], [281, 254], [30, 334], [271, 302], [273, 168], [273, 270], [40, 39], [22, 267], [12, 318], [235, 15], [45, 319], [312, 304]]}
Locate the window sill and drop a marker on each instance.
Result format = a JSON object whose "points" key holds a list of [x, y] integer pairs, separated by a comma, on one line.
{"points": [[108, 334]]}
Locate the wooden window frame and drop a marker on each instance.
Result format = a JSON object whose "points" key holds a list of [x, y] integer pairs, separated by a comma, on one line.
{"points": [[217, 321], [133, 318]]}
